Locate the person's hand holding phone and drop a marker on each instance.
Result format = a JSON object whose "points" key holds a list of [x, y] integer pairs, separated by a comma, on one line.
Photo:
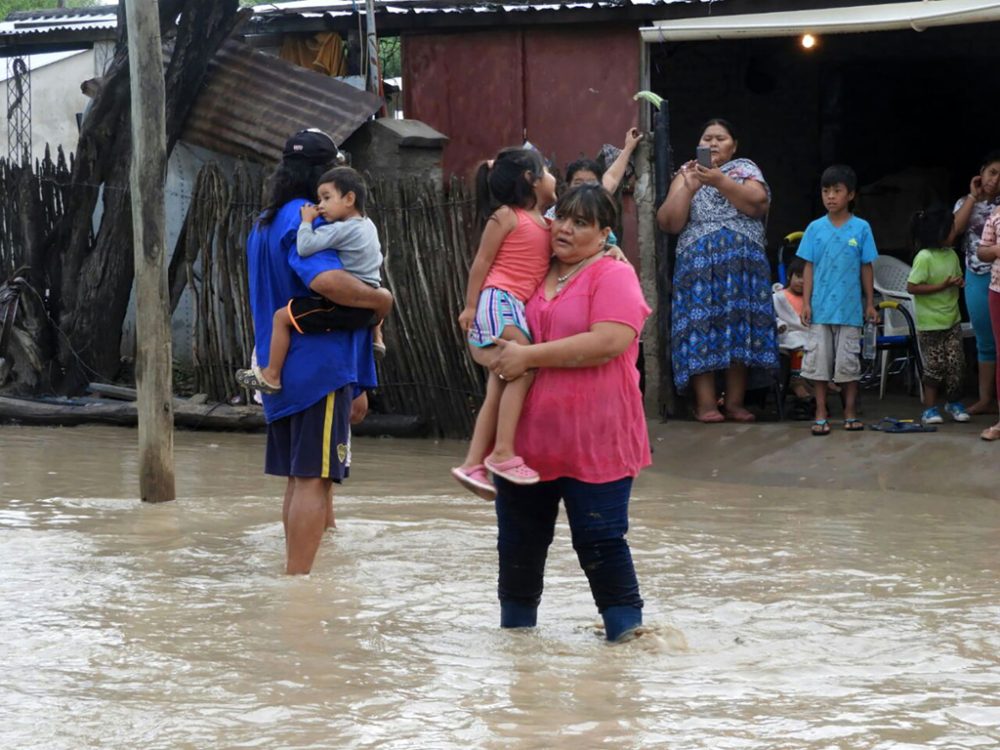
{"points": [[711, 176]]}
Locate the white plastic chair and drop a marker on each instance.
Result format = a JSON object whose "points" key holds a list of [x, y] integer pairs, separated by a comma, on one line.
{"points": [[890, 283]]}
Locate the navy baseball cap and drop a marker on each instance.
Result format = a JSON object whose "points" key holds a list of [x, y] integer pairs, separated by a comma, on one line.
{"points": [[313, 145]]}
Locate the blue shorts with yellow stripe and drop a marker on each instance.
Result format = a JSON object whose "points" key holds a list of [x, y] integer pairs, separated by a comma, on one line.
{"points": [[315, 442]]}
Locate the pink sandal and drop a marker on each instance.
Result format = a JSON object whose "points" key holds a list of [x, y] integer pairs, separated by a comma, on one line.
{"points": [[514, 470], [476, 481]]}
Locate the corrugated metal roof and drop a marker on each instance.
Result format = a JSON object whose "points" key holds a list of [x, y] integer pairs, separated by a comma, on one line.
{"points": [[251, 102], [337, 8], [62, 13], [60, 19]]}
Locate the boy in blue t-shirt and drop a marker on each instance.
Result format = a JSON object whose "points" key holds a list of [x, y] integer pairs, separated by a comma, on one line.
{"points": [[838, 250]]}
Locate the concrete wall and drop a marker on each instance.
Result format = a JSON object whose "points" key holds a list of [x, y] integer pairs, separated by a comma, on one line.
{"points": [[55, 101], [397, 148]]}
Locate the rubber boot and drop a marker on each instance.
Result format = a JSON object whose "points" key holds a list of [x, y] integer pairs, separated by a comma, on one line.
{"points": [[518, 615], [620, 621]]}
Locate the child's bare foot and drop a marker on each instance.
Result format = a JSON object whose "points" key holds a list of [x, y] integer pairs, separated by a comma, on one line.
{"points": [[981, 407], [256, 379]]}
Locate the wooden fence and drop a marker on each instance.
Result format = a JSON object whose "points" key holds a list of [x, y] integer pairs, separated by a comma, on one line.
{"points": [[428, 238], [211, 258], [33, 198]]}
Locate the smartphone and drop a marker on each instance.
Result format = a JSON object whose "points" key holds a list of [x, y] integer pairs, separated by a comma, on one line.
{"points": [[703, 155]]}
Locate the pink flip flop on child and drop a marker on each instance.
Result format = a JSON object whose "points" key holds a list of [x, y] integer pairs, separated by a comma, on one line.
{"points": [[476, 481], [514, 470]]}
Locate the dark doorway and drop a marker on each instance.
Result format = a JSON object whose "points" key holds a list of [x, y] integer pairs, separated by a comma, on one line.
{"points": [[913, 113]]}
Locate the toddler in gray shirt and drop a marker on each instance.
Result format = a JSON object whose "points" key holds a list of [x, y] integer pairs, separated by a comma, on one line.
{"points": [[353, 235]]}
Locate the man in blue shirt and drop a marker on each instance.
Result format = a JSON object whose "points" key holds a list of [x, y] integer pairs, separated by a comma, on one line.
{"points": [[308, 431]]}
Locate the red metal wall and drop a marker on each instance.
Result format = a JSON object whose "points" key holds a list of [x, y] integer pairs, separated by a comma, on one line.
{"points": [[568, 90]]}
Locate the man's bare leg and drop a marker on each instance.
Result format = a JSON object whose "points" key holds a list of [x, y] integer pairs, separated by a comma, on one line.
{"points": [[331, 522], [306, 520], [289, 489]]}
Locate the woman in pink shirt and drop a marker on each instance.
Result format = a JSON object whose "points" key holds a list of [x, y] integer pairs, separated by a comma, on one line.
{"points": [[582, 428]]}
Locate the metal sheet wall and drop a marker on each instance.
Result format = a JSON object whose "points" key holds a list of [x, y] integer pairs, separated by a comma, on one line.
{"points": [[568, 90]]}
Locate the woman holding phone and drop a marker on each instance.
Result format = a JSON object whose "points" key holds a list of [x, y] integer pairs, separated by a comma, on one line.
{"points": [[722, 314]]}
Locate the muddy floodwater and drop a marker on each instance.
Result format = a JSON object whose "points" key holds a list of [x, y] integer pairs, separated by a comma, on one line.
{"points": [[778, 617]]}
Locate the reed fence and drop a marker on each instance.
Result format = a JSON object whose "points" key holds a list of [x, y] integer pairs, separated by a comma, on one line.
{"points": [[212, 244], [428, 237], [34, 197]]}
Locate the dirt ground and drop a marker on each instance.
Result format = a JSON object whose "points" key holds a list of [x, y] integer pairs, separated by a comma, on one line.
{"points": [[952, 461]]}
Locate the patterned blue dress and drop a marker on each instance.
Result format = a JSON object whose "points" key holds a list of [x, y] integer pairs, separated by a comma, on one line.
{"points": [[722, 310]]}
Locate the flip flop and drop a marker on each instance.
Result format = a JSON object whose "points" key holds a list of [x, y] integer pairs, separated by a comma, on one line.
{"points": [[744, 418], [990, 434], [476, 481], [514, 470], [851, 424], [254, 380], [891, 424], [711, 417], [820, 428]]}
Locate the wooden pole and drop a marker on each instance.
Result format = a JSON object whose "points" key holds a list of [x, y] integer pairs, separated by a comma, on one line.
{"points": [[644, 201], [153, 370], [371, 46]]}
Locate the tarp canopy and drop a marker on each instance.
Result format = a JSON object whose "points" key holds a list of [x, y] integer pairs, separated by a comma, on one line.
{"points": [[887, 17]]}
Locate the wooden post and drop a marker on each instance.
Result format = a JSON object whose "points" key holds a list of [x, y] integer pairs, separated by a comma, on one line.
{"points": [[644, 200], [372, 83], [153, 365]]}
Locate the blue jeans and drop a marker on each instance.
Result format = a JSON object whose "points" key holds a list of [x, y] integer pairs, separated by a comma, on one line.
{"points": [[598, 521]]}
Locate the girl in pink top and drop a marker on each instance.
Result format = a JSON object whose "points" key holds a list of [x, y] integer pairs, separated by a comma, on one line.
{"points": [[583, 427], [513, 257]]}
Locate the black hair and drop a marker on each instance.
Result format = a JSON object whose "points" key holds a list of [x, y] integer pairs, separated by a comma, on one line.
{"points": [[584, 165], [839, 174], [509, 181], [589, 202], [294, 178], [991, 158], [796, 267], [722, 122], [347, 180], [930, 227]]}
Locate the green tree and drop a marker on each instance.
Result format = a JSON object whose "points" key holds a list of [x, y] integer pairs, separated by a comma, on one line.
{"points": [[9, 6]]}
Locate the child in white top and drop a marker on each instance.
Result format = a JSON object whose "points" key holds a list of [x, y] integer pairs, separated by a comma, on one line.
{"points": [[792, 332]]}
